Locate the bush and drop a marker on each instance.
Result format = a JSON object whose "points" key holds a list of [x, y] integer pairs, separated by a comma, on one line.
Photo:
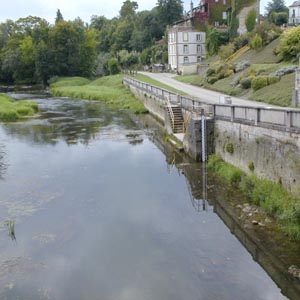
{"points": [[212, 80], [245, 83], [289, 47], [272, 79], [268, 32], [259, 82], [256, 42], [226, 51], [251, 20], [113, 66], [210, 71]]}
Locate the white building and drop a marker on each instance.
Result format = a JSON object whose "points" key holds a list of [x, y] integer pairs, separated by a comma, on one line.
{"points": [[294, 13], [186, 48]]}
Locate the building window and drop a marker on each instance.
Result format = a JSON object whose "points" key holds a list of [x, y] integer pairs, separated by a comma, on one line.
{"points": [[224, 2], [199, 49], [185, 49], [224, 15], [198, 37], [198, 59], [185, 36], [186, 60]]}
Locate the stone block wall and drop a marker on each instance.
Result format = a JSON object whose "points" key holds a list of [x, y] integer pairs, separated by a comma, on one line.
{"points": [[268, 153]]}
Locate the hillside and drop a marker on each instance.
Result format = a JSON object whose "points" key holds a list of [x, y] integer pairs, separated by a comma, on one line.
{"points": [[235, 77]]}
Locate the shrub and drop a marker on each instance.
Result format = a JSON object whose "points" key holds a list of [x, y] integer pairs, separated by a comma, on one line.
{"points": [[289, 47], [113, 66], [212, 80], [250, 20], [245, 83], [267, 31], [256, 42], [228, 73], [259, 82], [210, 71], [272, 79], [226, 51]]}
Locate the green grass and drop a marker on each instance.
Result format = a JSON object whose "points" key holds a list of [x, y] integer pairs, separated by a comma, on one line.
{"points": [[68, 81], [11, 110], [279, 93], [109, 90], [154, 82], [272, 197]]}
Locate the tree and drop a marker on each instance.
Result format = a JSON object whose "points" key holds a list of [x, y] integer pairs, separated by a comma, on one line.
{"points": [[169, 11], [128, 9], [59, 16], [250, 20], [212, 40], [113, 66], [276, 6]]}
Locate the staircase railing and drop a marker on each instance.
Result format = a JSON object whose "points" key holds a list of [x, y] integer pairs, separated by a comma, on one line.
{"points": [[171, 112]]}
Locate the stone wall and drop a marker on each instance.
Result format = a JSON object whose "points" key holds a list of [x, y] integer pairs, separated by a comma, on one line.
{"points": [[268, 153]]}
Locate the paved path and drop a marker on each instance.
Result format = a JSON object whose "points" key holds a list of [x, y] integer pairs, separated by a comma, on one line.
{"points": [[201, 93]]}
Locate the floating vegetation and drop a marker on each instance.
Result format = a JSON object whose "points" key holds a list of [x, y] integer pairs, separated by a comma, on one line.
{"points": [[11, 228]]}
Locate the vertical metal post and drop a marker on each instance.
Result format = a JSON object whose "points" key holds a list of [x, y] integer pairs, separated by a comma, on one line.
{"points": [[203, 140]]}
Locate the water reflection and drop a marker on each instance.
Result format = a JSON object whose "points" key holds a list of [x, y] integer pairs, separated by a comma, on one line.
{"points": [[207, 195], [107, 220]]}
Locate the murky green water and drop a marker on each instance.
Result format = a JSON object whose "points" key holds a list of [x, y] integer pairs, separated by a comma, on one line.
{"points": [[102, 214]]}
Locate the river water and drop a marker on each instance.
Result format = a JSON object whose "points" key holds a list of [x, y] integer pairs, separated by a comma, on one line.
{"points": [[104, 210]]}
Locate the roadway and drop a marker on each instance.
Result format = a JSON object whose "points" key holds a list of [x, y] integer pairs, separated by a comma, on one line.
{"points": [[202, 94]]}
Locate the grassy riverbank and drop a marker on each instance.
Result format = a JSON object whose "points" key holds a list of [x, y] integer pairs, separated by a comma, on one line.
{"points": [[12, 110], [108, 89], [276, 201], [154, 82]]}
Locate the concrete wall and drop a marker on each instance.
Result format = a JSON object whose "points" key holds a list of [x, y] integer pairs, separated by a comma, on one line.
{"points": [[268, 139], [274, 154], [192, 141]]}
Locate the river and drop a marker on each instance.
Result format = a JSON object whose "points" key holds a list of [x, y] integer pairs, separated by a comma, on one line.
{"points": [[103, 209]]}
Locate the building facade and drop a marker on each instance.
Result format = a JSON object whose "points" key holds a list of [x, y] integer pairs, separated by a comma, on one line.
{"points": [[186, 48], [211, 12], [294, 13]]}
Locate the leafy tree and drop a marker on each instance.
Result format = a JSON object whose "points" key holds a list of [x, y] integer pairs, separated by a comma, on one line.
{"points": [[59, 16], [250, 20], [102, 64], [113, 66], [169, 11], [5, 32], [276, 6], [212, 40], [279, 18], [128, 9]]}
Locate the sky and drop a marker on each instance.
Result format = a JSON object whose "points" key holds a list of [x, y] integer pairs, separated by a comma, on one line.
{"points": [[71, 9]]}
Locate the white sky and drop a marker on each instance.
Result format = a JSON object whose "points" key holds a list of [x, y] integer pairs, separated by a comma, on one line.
{"points": [[14, 9]]}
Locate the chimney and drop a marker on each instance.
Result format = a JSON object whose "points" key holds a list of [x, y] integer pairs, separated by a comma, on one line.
{"points": [[192, 6]]}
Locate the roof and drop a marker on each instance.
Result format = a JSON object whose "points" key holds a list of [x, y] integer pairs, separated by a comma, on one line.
{"points": [[296, 3]]}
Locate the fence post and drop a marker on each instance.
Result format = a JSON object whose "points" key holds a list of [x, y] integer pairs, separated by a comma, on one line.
{"points": [[288, 119], [232, 113]]}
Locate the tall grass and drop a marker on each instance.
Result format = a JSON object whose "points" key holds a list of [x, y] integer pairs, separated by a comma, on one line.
{"points": [[109, 90], [272, 197], [11, 110]]}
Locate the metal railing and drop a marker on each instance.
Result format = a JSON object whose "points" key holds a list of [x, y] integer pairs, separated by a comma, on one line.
{"points": [[284, 119]]}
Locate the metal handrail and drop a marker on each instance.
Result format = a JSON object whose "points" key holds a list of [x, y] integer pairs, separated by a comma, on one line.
{"points": [[171, 112]]}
